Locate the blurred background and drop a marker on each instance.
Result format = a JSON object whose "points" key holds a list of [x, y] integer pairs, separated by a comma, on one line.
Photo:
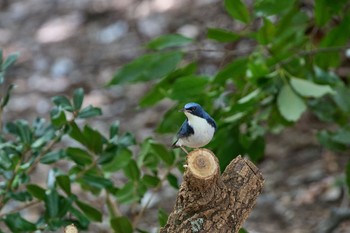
{"points": [[66, 44]]}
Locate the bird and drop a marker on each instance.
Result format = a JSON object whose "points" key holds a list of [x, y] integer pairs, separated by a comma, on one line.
{"points": [[197, 130]]}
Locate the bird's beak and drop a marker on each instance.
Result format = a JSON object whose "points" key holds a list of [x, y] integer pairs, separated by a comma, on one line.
{"points": [[183, 110]]}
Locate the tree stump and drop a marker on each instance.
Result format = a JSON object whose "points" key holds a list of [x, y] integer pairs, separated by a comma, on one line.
{"points": [[208, 202]]}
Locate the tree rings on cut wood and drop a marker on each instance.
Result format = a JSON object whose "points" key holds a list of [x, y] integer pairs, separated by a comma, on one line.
{"points": [[203, 164]]}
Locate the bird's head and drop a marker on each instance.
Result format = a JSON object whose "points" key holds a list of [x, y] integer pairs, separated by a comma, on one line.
{"points": [[193, 109]]}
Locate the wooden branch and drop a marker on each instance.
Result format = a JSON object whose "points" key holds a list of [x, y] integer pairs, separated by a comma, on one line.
{"points": [[208, 202]]}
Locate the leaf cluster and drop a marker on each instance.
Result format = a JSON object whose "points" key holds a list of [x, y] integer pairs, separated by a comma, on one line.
{"points": [[288, 70], [90, 160]]}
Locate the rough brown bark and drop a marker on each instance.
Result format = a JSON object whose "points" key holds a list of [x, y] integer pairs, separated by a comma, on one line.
{"points": [[208, 202]]}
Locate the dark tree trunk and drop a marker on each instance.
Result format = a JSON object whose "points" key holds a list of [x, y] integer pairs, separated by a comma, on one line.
{"points": [[208, 202]]}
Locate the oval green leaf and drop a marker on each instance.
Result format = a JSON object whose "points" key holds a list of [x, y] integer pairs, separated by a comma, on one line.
{"points": [[309, 89], [290, 105]]}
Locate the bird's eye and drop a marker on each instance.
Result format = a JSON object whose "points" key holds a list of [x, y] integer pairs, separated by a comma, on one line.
{"points": [[193, 109]]}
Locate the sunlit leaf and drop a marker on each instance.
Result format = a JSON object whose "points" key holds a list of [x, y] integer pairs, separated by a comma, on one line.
{"points": [[290, 105], [309, 89]]}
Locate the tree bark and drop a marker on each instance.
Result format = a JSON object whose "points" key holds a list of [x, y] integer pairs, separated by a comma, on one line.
{"points": [[208, 202]]}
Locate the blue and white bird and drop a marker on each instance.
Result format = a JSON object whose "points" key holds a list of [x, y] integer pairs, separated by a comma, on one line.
{"points": [[197, 130]]}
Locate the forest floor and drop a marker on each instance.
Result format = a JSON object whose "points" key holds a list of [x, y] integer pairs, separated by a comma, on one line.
{"points": [[66, 44]]}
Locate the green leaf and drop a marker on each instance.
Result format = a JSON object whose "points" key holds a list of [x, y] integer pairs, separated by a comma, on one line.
{"points": [[22, 196], [322, 14], [10, 60], [267, 32], [52, 204], [347, 173], [325, 77], [147, 67], [272, 7], [5, 160], [91, 212], [164, 154], [97, 181], [256, 149], [93, 138], [63, 102], [150, 181], [309, 89], [120, 160], [168, 41], [249, 97], [6, 98], [324, 109], [37, 191], [342, 98], [326, 139], [79, 156], [242, 230], [222, 35], [82, 220], [132, 171], [127, 194], [114, 129], [126, 140], [160, 90], [234, 70], [64, 182], [290, 105], [237, 10], [121, 225], [188, 87], [22, 130], [52, 157], [162, 217], [342, 136], [16, 223], [89, 111], [78, 97], [75, 133], [172, 179], [58, 117]]}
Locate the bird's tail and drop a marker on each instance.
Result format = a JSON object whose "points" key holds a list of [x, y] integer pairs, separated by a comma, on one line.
{"points": [[174, 145]]}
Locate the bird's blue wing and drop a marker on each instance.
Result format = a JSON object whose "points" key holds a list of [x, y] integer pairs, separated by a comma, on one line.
{"points": [[185, 131]]}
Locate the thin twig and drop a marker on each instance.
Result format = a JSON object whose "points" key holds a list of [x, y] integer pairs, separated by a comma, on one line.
{"points": [[20, 208], [114, 209]]}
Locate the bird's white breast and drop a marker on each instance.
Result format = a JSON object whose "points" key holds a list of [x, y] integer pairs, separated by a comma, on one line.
{"points": [[203, 132]]}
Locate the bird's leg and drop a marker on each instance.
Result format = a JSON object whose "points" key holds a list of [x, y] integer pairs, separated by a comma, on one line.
{"points": [[183, 148]]}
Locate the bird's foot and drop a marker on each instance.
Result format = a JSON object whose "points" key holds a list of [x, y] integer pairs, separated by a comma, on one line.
{"points": [[184, 149]]}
